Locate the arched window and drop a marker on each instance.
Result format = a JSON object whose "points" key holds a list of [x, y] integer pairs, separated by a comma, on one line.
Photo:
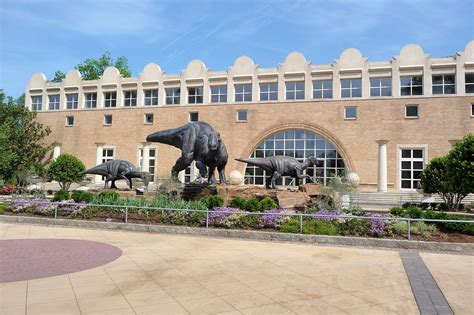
{"points": [[299, 144]]}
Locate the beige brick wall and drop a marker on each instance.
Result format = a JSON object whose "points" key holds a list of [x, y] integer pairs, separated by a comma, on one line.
{"points": [[441, 119]]}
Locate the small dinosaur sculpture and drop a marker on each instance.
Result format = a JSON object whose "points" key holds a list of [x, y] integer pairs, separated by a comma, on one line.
{"points": [[281, 166], [198, 142], [117, 169]]}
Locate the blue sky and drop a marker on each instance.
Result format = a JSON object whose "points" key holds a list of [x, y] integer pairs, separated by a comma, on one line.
{"points": [[45, 35]]}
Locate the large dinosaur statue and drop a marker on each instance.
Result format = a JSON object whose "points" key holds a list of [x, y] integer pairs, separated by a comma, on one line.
{"points": [[198, 142], [117, 169], [281, 165]]}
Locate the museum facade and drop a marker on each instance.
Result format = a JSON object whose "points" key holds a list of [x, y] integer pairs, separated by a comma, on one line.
{"points": [[382, 120]]}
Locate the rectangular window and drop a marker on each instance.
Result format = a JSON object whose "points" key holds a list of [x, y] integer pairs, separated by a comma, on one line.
{"points": [[411, 85], [381, 86], [444, 84], [130, 98], [152, 164], [350, 112], [193, 116], [243, 92], [151, 97], [107, 120], [469, 82], [110, 99], [54, 102], [269, 91], [241, 116], [472, 110], [411, 111], [36, 103], [195, 95], [411, 166], [148, 118], [351, 88], [218, 93], [322, 89], [90, 100], [69, 120], [172, 96], [294, 90], [71, 101]]}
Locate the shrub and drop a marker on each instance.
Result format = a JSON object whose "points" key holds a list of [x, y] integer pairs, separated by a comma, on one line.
{"points": [[249, 221], [3, 206], [320, 227], [354, 210], [61, 195], [467, 228], [413, 212], [356, 227], [66, 169], [291, 226], [268, 203], [252, 205], [213, 201], [400, 228], [397, 211], [82, 196], [238, 203]]}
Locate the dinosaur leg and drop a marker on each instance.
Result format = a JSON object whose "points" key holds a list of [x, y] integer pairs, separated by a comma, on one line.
{"points": [[181, 164], [222, 179], [212, 179], [187, 153], [273, 179], [202, 168]]}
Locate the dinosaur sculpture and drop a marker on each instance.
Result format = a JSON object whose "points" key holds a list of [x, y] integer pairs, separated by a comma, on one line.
{"points": [[198, 142], [281, 166], [117, 169]]}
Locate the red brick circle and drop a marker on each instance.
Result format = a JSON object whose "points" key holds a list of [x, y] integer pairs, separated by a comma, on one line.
{"points": [[39, 258]]}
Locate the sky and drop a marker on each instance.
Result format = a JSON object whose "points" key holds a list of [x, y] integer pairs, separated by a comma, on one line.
{"points": [[50, 35]]}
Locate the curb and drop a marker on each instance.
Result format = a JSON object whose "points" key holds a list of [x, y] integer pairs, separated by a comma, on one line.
{"points": [[462, 248]]}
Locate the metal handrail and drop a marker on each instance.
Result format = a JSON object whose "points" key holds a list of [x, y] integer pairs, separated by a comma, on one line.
{"points": [[300, 215]]}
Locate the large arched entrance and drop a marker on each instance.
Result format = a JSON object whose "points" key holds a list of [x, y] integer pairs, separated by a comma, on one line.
{"points": [[299, 144]]}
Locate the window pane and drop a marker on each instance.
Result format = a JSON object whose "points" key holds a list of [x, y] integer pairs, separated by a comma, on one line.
{"points": [[438, 89], [437, 79], [406, 184], [317, 94], [412, 111], [449, 79], [469, 77], [405, 81], [317, 85], [406, 165], [357, 92], [449, 89], [417, 90], [386, 82], [356, 83], [406, 153], [418, 153], [405, 91], [345, 84], [345, 93]]}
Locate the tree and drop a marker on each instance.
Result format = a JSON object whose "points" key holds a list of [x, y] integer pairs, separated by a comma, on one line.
{"points": [[66, 169], [92, 69], [452, 176], [58, 76], [21, 139]]}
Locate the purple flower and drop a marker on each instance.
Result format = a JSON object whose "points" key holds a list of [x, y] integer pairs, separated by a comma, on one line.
{"points": [[326, 215], [224, 217], [376, 225], [273, 218]]}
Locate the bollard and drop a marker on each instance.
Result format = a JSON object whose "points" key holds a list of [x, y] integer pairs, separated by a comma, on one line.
{"points": [[301, 224], [126, 214], [409, 228], [207, 219]]}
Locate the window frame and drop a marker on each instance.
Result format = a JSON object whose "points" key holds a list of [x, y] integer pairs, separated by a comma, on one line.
{"points": [[241, 111], [150, 97], [68, 122], [351, 88], [323, 89], [443, 85], [380, 87], [268, 91], [92, 101], [36, 106], [411, 85], [221, 96], [294, 92], [469, 85], [417, 106], [105, 120], [245, 94], [411, 159], [345, 112], [54, 104], [174, 98], [72, 103], [110, 102], [190, 116], [130, 100], [146, 122], [196, 98]]}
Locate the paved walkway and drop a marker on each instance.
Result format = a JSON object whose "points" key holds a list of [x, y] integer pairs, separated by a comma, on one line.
{"points": [[174, 274]]}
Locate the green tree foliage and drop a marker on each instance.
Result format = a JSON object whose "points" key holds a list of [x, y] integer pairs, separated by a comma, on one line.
{"points": [[452, 176], [58, 76], [92, 69], [66, 170], [20, 139]]}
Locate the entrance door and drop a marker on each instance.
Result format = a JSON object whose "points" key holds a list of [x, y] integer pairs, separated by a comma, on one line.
{"points": [[411, 166]]}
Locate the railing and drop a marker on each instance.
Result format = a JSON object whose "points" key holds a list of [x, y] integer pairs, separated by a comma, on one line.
{"points": [[299, 215]]}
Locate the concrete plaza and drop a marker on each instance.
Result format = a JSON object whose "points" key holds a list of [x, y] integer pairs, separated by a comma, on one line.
{"points": [[175, 274]]}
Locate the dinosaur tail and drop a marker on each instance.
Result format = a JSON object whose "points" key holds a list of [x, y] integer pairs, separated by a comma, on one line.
{"points": [[262, 163], [97, 170]]}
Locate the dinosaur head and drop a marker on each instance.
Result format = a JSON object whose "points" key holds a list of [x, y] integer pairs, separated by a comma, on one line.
{"points": [[312, 160], [214, 141]]}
